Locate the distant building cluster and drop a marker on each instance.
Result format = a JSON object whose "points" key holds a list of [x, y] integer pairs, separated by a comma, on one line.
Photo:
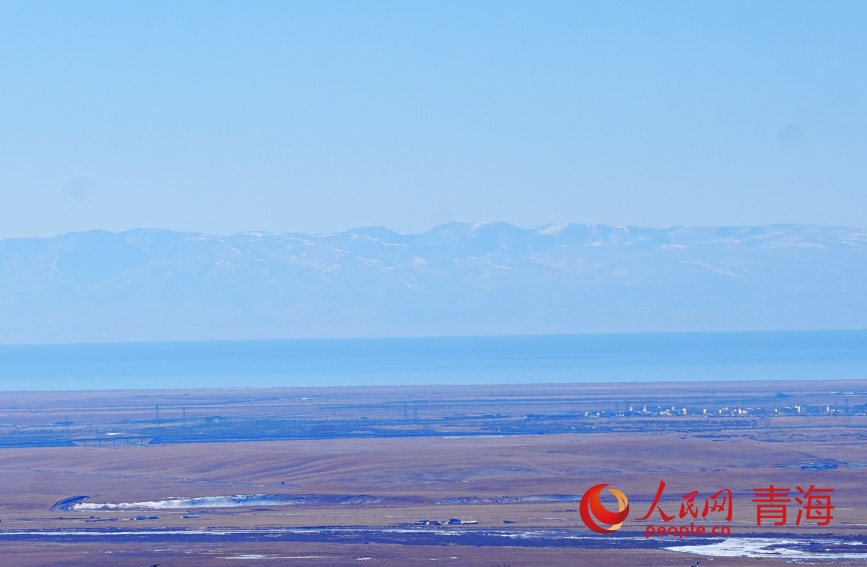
{"points": [[727, 411]]}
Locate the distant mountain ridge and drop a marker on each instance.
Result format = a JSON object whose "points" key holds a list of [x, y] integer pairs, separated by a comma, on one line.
{"points": [[455, 279]]}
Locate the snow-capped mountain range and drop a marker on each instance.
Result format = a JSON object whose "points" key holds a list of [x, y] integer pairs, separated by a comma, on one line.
{"points": [[455, 279]]}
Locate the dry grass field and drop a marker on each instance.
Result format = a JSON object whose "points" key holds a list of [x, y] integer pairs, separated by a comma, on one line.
{"points": [[335, 476]]}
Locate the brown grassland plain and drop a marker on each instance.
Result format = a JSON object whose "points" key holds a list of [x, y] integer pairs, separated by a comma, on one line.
{"points": [[353, 473]]}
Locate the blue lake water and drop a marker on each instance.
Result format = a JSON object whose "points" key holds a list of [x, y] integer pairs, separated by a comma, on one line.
{"points": [[640, 357]]}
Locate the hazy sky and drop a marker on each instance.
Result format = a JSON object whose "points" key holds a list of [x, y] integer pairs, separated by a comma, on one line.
{"points": [[321, 116]]}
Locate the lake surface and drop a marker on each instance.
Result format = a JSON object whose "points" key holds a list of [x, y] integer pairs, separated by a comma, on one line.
{"points": [[639, 357]]}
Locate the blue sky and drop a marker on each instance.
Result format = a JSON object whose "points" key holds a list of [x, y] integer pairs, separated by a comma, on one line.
{"points": [[322, 116]]}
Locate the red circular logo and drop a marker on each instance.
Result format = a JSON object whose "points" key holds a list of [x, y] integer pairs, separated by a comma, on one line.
{"points": [[592, 510]]}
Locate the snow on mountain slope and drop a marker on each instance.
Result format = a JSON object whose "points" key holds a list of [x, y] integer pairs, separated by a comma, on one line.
{"points": [[458, 278]]}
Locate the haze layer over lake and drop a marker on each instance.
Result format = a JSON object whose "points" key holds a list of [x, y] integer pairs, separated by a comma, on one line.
{"points": [[776, 355]]}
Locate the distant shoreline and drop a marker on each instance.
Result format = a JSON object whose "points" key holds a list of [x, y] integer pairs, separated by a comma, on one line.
{"points": [[530, 359]]}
